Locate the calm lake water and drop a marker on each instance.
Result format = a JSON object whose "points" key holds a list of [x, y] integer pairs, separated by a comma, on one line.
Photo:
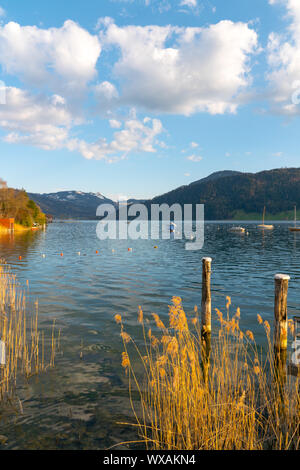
{"points": [[79, 404]]}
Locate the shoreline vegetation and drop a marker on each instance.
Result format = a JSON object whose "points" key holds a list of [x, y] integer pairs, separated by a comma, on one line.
{"points": [[23, 352], [240, 400], [17, 229], [240, 216], [15, 204], [288, 216]]}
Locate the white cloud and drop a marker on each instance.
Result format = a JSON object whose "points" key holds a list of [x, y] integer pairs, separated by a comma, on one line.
{"points": [[284, 62], [45, 122], [194, 158], [182, 70], [40, 121], [177, 70], [106, 96], [136, 136], [115, 124], [62, 59], [106, 91], [60, 63], [189, 3]]}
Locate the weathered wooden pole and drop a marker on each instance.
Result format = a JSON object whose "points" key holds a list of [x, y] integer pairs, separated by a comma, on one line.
{"points": [[206, 311], [280, 312], [281, 323], [206, 296]]}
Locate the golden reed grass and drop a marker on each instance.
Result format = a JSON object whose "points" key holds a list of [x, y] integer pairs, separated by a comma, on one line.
{"points": [[239, 402], [24, 343]]}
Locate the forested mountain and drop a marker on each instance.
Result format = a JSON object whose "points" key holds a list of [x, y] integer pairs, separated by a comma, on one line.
{"points": [[227, 195]]}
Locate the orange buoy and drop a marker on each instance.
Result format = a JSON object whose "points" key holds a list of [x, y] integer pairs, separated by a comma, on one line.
{"points": [[129, 249], [20, 257], [61, 254], [97, 252]]}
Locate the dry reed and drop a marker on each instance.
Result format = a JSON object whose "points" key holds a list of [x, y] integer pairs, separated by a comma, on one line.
{"points": [[240, 402], [24, 343]]}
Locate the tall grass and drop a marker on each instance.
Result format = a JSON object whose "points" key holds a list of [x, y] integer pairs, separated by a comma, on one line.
{"points": [[237, 400], [24, 343]]}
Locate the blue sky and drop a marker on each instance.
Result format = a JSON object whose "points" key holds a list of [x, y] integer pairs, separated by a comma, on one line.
{"points": [[134, 98]]}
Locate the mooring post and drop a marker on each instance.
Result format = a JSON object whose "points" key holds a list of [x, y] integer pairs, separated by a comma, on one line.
{"points": [[206, 311], [281, 323], [280, 312]]}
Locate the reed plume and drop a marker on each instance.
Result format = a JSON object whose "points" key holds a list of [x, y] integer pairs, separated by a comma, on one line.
{"points": [[241, 403]]}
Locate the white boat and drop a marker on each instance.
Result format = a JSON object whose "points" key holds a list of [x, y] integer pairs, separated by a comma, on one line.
{"points": [[263, 225], [295, 228], [237, 229]]}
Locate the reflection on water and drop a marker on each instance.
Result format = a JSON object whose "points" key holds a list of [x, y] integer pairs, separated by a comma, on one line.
{"points": [[18, 241], [78, 404]]}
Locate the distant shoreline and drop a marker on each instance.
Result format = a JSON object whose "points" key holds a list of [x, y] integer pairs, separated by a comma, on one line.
{"points": [[219, 221]]}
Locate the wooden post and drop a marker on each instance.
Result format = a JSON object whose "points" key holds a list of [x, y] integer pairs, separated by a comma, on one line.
{"points": [[206, 312], [206, 296], [280, 312], [281, 325]]}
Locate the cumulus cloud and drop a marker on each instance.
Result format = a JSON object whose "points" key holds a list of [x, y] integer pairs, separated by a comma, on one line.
{"points": [[136, 136], [115, 124], [284, 62], [35, 120], [61, 59], [106, 97], [45, 122], [160, 69], [179, 70]]}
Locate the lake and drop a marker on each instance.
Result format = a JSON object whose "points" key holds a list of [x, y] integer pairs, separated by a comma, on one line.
{"points": [[79, 404]]}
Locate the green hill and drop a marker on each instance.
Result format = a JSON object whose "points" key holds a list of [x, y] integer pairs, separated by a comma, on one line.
{"points": [[16, 203], [241, 195]]}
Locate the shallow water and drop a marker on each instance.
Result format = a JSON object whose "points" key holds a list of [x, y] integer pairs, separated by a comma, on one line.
{"points": [[79, 403]]}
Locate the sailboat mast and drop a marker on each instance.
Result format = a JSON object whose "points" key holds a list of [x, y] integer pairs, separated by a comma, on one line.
{"points": [[264, 215]]}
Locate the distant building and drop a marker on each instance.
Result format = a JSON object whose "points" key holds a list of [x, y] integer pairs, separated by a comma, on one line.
{"points": [[8, 223]]}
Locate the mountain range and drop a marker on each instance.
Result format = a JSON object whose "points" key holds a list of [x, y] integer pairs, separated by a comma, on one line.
{"points": [[70, 204], [225, 194]]}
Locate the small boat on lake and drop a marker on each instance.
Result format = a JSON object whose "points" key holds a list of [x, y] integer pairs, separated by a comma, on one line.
{"points": [[237, 229], [295, 228], [263, 226]]}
